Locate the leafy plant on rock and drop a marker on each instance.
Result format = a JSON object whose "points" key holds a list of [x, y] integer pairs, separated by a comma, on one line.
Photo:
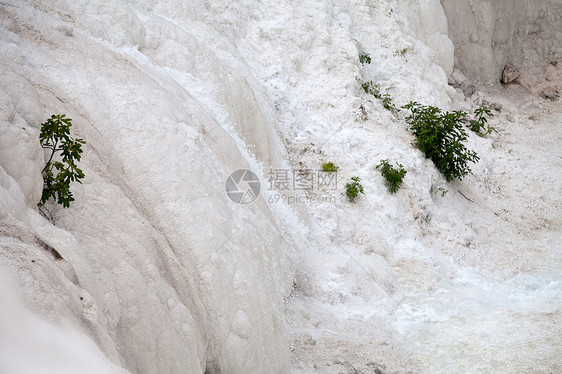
{"points": [[393, 176], [364, 58], [329, 167], [479, 124], [372, 88], [441, 190], [353, 188], [441, 136], [375, 90], [387, 103], [57, 175]]}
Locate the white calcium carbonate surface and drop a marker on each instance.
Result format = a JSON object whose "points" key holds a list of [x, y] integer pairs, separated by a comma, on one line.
{"points": [[153, 269]]}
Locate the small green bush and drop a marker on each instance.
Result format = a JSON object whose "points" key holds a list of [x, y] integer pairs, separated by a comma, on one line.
{"points": [[329, 167], [403, 51], [364, 58], [353, 188], [479, 123], [375, 90], [441, 190], [372, 88], [55, 135], [440, 136], [387, 103], [393, 176]]}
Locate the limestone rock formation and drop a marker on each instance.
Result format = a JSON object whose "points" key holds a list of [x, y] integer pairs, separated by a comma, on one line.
{"points": [[490, 34]]}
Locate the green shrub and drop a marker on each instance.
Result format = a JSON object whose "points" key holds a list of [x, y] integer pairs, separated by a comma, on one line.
{"points": [[375, 90], [329, 167], [353, 188], [364, 58], [387, 103], [55, 135], [440, 136], [372, 88], [479, 123], [403, 51], [441, 190], [393, 176]]}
